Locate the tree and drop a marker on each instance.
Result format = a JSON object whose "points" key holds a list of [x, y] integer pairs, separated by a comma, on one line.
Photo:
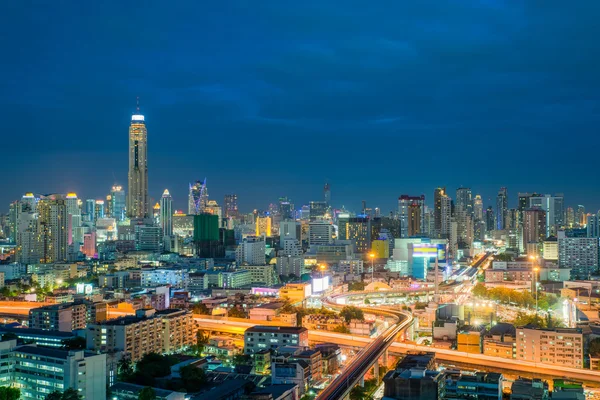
{"points": [[71, 394], [235, 312], [350, 312], [150, 367], [9, 393], [193, 378], [56, 395], [367, 301], [358, 393], [594, 348], [147, 393], [125, 369], [200, 308], [503, 257], [356, 286], [480, 290], [341, 329], [241, 359]]}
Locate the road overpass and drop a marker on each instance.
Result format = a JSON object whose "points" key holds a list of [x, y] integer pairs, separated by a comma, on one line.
{"points": [[481, 360]]}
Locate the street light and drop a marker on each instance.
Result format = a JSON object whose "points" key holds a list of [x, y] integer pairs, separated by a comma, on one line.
{"points": [[535, 271], [322, 267], [372, 256]]}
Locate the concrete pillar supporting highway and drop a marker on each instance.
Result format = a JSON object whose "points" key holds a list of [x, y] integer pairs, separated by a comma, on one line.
{"points": [[385, 358], [376, 370], [362, 382]]}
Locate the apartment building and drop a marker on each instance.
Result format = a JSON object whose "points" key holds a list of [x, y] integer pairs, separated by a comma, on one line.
{"points": [[38, 371], [561, 346], [146, 332], [64, 317], [261, 337]]}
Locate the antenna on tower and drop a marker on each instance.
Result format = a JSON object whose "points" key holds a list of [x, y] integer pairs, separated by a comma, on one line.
{"points": [[137, 108]]}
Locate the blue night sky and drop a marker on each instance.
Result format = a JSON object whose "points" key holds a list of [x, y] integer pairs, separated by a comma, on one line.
{"points": [[273, 98]]}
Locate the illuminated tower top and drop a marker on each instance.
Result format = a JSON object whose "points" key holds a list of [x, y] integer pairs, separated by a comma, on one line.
{"points": [[137, 195]]}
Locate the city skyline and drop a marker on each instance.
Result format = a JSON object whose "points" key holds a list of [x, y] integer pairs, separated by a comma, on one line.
{"points": [[376, 79]]}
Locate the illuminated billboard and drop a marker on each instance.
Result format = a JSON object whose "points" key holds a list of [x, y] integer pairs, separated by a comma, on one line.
{"points": [[428, 250], [320, 284]]}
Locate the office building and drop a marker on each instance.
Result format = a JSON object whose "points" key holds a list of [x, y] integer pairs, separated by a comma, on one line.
{"points": [[554, 209], [578, 253], [561, 346], [206, 236], [593, 225], [446, 217], [230, 206], [580, 216], [117, 202], [289, 230], [534, 226], [251, 251], [263, 226], [318, 209], [438, 195], [501, 208], [38, 371], [197, 198], [464, 200], [411, 213], [320, 233], [476, 386], [358, 230], [478, 208], [163, 331], [137, 192], [489, 219], [327, 194], [64, 317], [414, 378], [286, 208], [258, 338], [148, 238], [166, 213]]}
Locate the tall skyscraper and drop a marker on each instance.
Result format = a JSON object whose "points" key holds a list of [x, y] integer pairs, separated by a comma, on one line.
{"points": [[489, 219], [166, 213], [501, 208], [90, 210], [442, 213], [478, 208], [118, 201], [534, 226], [554, 208], [464, 200], [53, 228], [197, 198], [286, 208], [404, 213], [318, 209], [415, 219], [137, 193], [580, 216], [327, 194], [230, 206]]}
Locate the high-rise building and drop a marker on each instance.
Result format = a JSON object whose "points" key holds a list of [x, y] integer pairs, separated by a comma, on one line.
{"points": [[118, 201], [73, 216], [166, 213], [580, 216], [212, 207], [501, 208], [197, 198], [53, 228], [137, 193], [230, 206], [415, 219], [554, 208], [251, 251], [263, 226], [578, 253], [90, 210], [148, 238], [28, 249], [320, 233], [593, 225], [438, 195], [534, 226], [206, 236], [318, 209], [289, 230], [327, 194], [570, 217], [286, 208], [445, 217], [99, 210], [358, 229], [404, 204], [464, 200], [489, 219], [478, 208]]}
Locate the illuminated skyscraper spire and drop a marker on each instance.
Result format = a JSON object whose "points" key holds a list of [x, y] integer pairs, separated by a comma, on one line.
{"points": [[137, 194]]}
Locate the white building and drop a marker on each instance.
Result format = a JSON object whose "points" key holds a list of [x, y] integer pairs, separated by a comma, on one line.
{"points": [[251, 251], [178, 278], [38, 371], [260, 337], [289, 230], [578, 253], [561, 346]]}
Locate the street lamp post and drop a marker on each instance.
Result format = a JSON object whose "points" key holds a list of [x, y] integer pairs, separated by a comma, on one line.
{"points": [[535, 271], [372, 256]]}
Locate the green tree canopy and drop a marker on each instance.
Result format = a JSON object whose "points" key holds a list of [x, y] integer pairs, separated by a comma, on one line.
{"points": [[350, 312], [9, 393], [193, 378], [147, 393], [235, 312]]}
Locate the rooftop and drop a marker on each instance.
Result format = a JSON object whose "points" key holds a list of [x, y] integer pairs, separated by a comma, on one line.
{"points": [[135, 389], [277, 329]]}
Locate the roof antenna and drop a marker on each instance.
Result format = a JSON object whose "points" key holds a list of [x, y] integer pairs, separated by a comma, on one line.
{"points": [[138, 104]]}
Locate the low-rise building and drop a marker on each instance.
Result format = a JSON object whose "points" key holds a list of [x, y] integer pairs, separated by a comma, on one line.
{"points": [[480, 385], [262, 337], [560, 346], [321, 322], [64, 317], [500, 341], [529, 389]]}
